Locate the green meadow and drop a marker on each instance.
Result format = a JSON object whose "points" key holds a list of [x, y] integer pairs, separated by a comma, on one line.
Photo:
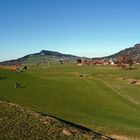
{"points": [[102, 98]]}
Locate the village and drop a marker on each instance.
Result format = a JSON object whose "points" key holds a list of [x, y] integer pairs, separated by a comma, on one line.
{"points": [[95, 62]]}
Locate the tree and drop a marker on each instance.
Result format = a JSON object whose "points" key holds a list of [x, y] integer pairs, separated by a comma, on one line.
{"points": [[79, 61], [123, 60], [129, 61]]}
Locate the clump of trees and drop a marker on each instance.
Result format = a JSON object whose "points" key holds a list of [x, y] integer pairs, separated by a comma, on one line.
{"points": [[79, 61], [125, 60]]}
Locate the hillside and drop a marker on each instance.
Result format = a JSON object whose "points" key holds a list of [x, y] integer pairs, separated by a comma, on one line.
{"points": [[48, 57], [43, 56], [20, 123], [134, 52]]}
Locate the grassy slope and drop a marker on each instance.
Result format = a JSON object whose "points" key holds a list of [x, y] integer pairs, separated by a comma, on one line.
{"points": [[37, 59], [97, 101], [20, 123]]}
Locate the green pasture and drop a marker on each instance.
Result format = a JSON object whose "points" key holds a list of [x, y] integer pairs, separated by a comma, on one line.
{"points": [[92, 96]]}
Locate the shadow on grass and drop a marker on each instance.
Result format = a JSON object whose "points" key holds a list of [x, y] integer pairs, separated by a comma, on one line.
{"points": [[131, 68], [3, 78], [81, 128]]}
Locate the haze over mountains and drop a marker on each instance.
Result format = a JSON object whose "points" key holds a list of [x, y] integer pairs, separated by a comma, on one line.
{"points": [[46, 56]]}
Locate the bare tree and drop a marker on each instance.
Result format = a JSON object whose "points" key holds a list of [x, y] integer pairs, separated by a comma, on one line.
{"points": [[129, 61], [123, 60]]}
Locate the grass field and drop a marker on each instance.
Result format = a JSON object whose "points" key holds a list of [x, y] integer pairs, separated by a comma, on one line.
{"points": [[99, 97], [20, 123]]}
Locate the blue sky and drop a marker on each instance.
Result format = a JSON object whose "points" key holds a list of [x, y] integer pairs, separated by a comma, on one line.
{"points": [[81, 27]]}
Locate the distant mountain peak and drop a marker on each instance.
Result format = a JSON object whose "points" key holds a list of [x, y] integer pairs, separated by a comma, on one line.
{"points": [[47, 52], [44, 56]]}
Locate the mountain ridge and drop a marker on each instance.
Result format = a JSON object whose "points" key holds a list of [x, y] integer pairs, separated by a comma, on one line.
{"points": [[134, 52], [47, 56], [42, 56]]}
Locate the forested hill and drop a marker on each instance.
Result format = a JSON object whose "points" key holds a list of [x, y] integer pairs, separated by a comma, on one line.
{"points": [[134, 52]]}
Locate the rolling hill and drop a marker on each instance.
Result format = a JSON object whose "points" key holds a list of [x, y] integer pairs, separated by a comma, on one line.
{"points": [[134, 52], [46, 56], [43, 56]]}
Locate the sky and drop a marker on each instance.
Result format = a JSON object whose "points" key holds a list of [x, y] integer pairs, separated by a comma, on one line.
{"points": [[91, 28]]}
